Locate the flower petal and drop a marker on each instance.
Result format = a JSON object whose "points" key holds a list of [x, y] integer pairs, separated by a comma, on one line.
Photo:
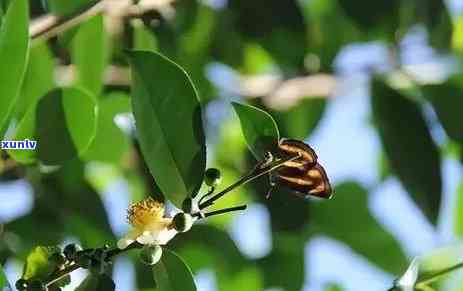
{"points": [[408, 280], [124, 242]]}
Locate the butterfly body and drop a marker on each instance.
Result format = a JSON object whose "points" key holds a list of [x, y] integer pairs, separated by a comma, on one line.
{"points": [[304, 175]]}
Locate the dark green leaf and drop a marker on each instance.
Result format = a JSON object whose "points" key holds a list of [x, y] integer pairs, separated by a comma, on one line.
{"points": [[90, 53], [347, 218], [300, 120], [38, 79], [67, 8], [409, 147], [110, 143], [172, 274], [37, 265], [259, 129], [95, 282], [4, 285], [14, 49], [447, 102], [169, 124], [63, 123]]}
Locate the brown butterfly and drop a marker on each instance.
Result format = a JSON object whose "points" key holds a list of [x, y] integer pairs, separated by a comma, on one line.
{"points": [[304, 175]]}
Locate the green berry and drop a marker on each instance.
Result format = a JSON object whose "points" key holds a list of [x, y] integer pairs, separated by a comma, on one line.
{"points": [[212, 177], [21, 284], [70, 251], [183, 222], [151, 254]]}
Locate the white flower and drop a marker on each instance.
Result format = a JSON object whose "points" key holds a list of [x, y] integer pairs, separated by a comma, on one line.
{"points": [[150, 227], [408, 280]]}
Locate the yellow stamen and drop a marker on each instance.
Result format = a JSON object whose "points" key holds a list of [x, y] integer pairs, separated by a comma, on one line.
{"points": [[145, 212]]}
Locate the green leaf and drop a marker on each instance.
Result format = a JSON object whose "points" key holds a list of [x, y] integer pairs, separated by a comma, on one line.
{"points": [[143, 38], [259, 129], [4, 285], [169, 124], [110, 143], [409, 147], [90, 54], [63, 123], [300, 120], [458, 226], [14, 50], [37, 265], [38, 79], [447, 102], [67, 8], [95, 282], [358, 229], [172, 274], [332, 287]]}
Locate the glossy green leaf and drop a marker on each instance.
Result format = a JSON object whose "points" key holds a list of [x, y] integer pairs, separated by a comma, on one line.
{"points": [[409, 147], [169, 124], [143, 37], [4, 285], [259, 129], [110, 143], [37, 265], [63, 123], [447, 102], [14, 50], [458, 221], [172, 274], [90, 54], [347, 218], [300, 120], [95, 282], [67, 8], [38, 79]]}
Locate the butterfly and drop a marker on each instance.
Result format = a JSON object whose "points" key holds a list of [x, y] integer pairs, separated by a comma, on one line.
{"points": [[304, 175]]}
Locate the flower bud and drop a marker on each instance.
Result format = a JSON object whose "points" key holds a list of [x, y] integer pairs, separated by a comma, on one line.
{"points": [[21, 284], [151, 254], [183, 222], [212, 177]]}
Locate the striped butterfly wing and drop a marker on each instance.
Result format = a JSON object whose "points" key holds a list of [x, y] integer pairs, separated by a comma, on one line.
{"points": [[303, 175]]}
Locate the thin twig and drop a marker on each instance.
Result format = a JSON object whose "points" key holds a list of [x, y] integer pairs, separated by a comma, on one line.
{"points": [[255, 173], [72, 267]]}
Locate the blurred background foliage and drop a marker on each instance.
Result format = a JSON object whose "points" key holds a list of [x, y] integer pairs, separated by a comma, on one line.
{"points": [[374, 86]]}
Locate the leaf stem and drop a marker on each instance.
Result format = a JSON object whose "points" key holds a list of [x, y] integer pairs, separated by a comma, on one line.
{"points": [[221, 211], [254, 174], [432, 277]]}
